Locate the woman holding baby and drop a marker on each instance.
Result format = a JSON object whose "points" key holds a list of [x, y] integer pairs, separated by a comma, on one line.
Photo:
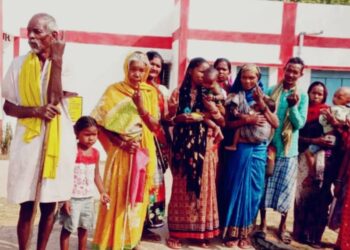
{"points": [[242, 179]]}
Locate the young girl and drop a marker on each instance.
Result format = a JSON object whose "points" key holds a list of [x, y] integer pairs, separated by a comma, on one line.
{"points": [[78, 212]]}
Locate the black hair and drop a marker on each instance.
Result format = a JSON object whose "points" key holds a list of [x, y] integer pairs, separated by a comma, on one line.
{"points": [[185, 89], [318, 83], [219, 60], [154, 54], [83, 123], [296, 60]]}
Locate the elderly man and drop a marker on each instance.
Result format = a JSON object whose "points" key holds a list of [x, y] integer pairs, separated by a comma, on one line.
{"points": [[33, 93]]}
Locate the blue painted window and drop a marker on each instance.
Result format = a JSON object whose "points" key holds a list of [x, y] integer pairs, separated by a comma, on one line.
{"points": [[265, 77], [332, 79]]}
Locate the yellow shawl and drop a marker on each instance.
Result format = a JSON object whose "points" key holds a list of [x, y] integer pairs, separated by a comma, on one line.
{"points": [[117, 112], [30, 95]]}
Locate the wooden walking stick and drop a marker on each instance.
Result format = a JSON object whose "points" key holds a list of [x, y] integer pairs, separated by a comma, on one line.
{"points": [[54, 96]]}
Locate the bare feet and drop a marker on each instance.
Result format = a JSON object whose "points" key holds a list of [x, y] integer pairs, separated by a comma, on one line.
{"points": [[204, 244], [285, 237], [231, 243], [262, 230], [244, 244], [173, 243]]}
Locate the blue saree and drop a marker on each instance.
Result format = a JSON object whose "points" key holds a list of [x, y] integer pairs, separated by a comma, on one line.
{"points": [[242, 186]]}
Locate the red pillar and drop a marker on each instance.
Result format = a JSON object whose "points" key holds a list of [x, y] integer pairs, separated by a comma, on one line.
{"points": [[182, 36], [288, 38]]}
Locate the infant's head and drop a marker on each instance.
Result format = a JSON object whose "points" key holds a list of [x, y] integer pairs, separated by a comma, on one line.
{"points": [[270, 103], [210, 77], [341, 96]]}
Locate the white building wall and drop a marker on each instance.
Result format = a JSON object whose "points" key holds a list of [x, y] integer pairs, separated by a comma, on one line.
{"points": [[235, 52], [236, 15], [331, 19], [134, 17], [326, 56]]}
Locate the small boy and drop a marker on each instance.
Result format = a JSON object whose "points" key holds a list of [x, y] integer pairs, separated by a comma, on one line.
{"points": [[340, 112], [252, 133]]}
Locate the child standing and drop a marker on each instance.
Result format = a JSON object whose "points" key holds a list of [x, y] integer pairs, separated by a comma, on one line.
{"points": [[78, 213]]}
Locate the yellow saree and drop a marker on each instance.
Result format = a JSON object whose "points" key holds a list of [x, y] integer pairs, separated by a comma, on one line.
{"points": [[117, 112]]}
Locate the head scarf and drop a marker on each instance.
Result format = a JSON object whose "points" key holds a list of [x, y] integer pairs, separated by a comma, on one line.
{"points": [[137, 56]]}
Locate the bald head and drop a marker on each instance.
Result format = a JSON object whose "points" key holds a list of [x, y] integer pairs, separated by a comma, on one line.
{"points": [[342, 96]]}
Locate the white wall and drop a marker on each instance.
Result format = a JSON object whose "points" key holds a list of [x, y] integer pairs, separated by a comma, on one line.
{"points": [[149, 17], [333, 20], [326, 56], [236, 15], [236, 52]]}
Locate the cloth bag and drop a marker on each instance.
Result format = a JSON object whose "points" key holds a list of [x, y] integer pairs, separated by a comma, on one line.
{"points": [[138, 176]]}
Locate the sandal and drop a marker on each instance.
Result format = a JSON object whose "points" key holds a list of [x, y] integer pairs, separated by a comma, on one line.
{"points": [[244, 244], [173, 243], [285, 237]]}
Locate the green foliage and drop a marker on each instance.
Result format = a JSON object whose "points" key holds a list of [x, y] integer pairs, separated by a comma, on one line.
{"points": [[6, 140]]}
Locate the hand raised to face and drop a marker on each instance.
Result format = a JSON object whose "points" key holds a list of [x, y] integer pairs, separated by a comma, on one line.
{"points": [[137, 98], [292, 99], [58, 45]]}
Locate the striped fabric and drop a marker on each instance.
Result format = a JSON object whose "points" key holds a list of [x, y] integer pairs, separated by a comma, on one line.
{"points": [[280, 186]]}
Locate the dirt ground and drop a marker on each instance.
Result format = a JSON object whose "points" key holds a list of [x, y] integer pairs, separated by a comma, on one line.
{"points": [[9, 215]]}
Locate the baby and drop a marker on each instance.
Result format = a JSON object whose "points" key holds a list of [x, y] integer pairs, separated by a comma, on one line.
{"points": [[212, 91], [251, 133], [340, 112], [210, 88]]}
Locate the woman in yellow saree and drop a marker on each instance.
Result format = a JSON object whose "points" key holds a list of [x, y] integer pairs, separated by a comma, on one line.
{"points": [[127, 114]]}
